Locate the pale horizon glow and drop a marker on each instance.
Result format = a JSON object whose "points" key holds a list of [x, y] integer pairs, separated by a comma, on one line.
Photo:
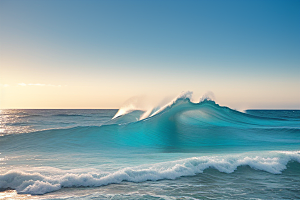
{"points": [[98, 54], [38, 84]]}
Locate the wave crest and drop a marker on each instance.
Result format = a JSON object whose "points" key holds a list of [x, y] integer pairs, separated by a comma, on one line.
{"points": [[147, 109], [54, 179]]}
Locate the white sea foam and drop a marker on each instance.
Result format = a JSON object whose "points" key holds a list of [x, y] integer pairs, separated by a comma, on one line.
{"points": [[40, 181]]}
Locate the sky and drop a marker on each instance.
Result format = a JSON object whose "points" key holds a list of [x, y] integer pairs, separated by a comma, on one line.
{"points": [[99, 54]]}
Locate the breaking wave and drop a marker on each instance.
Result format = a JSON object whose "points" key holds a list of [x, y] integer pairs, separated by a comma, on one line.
{"points": [[44, 180]]}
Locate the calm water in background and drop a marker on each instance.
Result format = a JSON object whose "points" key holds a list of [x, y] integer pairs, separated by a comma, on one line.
{"points": [[188, 151]]}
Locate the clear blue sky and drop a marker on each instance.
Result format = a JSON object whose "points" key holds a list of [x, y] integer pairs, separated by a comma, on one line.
{"points": [[97, 54]]}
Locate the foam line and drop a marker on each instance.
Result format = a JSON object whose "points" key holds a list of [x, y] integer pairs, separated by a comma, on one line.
{"points": [[25, 181]]}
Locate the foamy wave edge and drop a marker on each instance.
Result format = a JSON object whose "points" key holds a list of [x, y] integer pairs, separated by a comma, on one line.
{"points": [[40, 182]]}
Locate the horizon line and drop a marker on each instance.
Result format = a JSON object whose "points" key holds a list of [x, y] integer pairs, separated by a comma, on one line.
{"points": [[119, 108]]}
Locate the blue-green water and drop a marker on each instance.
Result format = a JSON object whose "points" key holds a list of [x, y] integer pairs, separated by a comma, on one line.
{"points": [[184, 151]]}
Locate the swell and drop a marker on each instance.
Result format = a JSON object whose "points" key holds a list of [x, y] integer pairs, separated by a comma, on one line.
{"points": [[182, 126], [205, 111], [41, 181]]}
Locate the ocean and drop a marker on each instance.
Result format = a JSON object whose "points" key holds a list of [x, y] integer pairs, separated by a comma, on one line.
{"points": [[182, 150]]}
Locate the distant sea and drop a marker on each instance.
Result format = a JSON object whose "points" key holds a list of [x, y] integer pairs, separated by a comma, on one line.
{"points": [[183, 150]]}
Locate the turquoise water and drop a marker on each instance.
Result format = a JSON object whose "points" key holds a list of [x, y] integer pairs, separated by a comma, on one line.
{"points": [[184, 150]]}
